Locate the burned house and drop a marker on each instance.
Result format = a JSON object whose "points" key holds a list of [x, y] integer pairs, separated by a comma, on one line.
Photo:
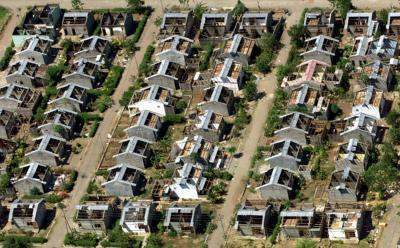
{"points": [[183, 218], [78, 23], [177, 23], [277, 184], [321, 48], [33, 176], [36, 49], [134, 151], [27, 215], [196, 149], [47, 149], [18, 99], [361, 23], [83, 72], [219, 99], [294, 126], [175, 49], [255, 24], [302, 223], [215, 26], [9, 124], [344, 186], [393, 24], [154, 98], [377, 74], [210, 125], [239, 48], [252, 221], [345, 224], [317, 23], [286, 154], [70, 96], [229, 74], [369, 101], [309, 98], [123, 180], [352, 154], [116, 24], [145, 125], [26, 73], [94, 216], [138, 217], [188, 182], [360, 126], [94, 48], [59, 122], [40, 20], [367, 49], [166, 74]]}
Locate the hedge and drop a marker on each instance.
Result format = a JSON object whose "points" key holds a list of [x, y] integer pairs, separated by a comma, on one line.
{"points": [[23, 239], [87, 117], [8, 54], [144, 66], [140, 27], [94, 128], [77, 239], [112, 80]]}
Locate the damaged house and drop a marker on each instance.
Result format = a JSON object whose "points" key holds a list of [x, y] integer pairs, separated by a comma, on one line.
{"points": [[302, 223], [177, 23], [393, 23], [59, 122], [9, 124], [286, 154], [84, 73], [229, 74], [321, 48], [123, 180], [33, 176], [94, 216], [36, 49], [219, 99], [166, 74], [183, 218], [70, 96], [93, 48], [361, 23], [309, 98], [47, 149], [294, 126], [317, 23], [239, 48], [377, 74], [145, 125], [360, 126], [344, 186], [369, 101], [210, 125], [252, 221], [345, 224], [78, 23], [215, 26], [154, 98], [134, 151], [26, 73], [175, 49], [138, 217], [352, 154], [27, 215], [117, 24], [18, 99], [277, 184], [255, 24]]}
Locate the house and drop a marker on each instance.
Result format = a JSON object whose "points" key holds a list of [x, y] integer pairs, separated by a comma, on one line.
{"points": [[27, 215], [145, 125], [134, 151], [367, 49], [40, 20], [153, 98], [196, 149], [255, 24], [175, 49], [166, 74], [321, 48], [9, 124], [229, 74], [277, 184], [315, 73], [239, 48], [295, 126], [18, 99], [360, 126], [123, 180], [377, 74], [286, 154], [33, 175], [183, 218], [94, 48], [252, 221], [26, 73], [345, 224], [302, 223], [47, 149], [209, 125], [177, 23], [138, 217], [94, 216], [344, 186], [309, 98], [79, 23], [59, 122], [369, 101], [85, 73], [361, 23], [219, 99], [317, 23], [70, 96], [352, 154], [215, 26], [116, 24], [36, 49], [393, 23]]}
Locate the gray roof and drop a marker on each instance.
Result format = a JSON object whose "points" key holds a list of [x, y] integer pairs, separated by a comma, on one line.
{"points": [[120, 170], [362, 46], [368, 15], [384, 47], [25, 204], [295, 118], [205, 16], [173, 15], [11, 89], [319, 44], [45, 141], [23, 68], [186, 209], [262, 18], [133, 212], [76, 14], [298, 213], [288, 145], [275, 176]]}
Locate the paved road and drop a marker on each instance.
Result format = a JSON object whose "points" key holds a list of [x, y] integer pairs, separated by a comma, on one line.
{"points": [[391, 234]]}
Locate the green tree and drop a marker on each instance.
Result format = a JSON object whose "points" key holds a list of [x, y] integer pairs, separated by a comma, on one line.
{"points": [[135, 4], [199, 10], [4, 182], [35, 191], [250, 91], [263, 62], [306, 243], [268, 42], [16, 242], [297, 35], [380, 176], [393, 118], [154, 241], [76, 4], [343, 6], [239, 9]]}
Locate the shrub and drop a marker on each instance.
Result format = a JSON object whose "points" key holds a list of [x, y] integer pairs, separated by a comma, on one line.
{"points": [[297, 35], [4, 182], [199, 10], [35, 191], [130, 43], [54, 74], [39, 115], [112, 80], [126, 97], [77, 239], [205, 61], [53, 198], [306, 243], [263, 62], [87, 117], [393, 118], [180, 106], [144, 67], [5, 60], [250, 91], [92, 187], [239, 9], [94, 128], [171, 119], [215, 194], [103, 103], [154, 241], [268, 43]]}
